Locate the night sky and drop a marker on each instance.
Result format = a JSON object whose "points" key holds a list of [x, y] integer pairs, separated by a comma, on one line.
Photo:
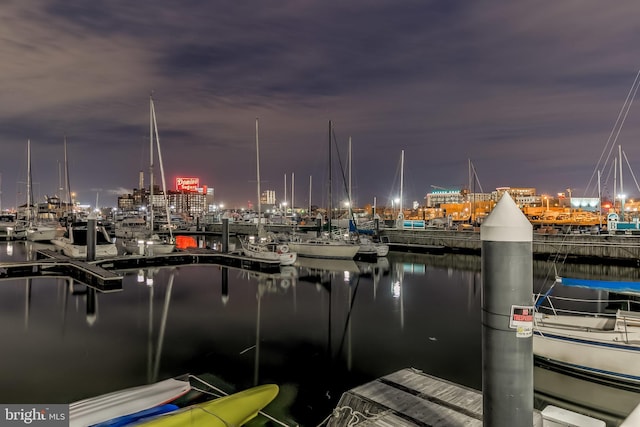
{"points": [[529, 92]]}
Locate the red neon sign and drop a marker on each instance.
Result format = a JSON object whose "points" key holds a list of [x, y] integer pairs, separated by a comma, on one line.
{"points": [[187, 184]]}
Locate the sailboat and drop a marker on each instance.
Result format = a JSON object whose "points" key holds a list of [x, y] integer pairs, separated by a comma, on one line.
{"points": [[597, 344], [325, 246], [36, 230], [369, 249], [152, 243], [265, 247]]}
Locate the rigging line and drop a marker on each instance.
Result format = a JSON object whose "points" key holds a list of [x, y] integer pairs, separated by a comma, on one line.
{"points": [[616, 137], [624, 119], [633, 175], [344, 178], [477, 179], [630, 94]]}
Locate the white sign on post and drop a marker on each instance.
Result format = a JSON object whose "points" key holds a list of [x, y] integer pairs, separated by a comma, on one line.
{"points": [[521, 320]]}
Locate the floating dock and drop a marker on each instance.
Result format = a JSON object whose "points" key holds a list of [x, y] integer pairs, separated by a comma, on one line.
{"points": [[102, 275], [409, 398]]}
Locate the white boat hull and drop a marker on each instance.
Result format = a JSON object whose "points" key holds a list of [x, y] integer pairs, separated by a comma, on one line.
{"points": [[80, 251], [590, 347], [112, 405], [269, 252], [156, 248], [382, 249], [43, 234], [74, 243], [324, 250]]}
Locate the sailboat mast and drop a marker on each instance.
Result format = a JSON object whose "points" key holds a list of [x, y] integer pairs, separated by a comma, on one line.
{"points": [[29, 197], [401, 182], [150, 164], [330, 182], [599, 200], [620, 157], [164, 182], [258, 177], [615, 181], [310, 182], [67, 184], [293, 183], [349, 173], [350, 194]]}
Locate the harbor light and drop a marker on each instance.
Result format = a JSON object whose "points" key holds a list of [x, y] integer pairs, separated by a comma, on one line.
{"points": [[622, 197]]}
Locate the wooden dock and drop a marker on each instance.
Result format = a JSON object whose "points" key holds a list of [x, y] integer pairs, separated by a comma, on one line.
{"points": [[102, 275], [409, 398]]}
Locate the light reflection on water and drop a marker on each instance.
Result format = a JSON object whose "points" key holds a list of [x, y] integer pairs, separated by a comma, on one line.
{"points": [[316, 329]]}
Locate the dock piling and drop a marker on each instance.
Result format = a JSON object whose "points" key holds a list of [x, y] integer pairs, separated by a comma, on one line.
{"points": [[507, 317], [91, 237], [225, 235]]}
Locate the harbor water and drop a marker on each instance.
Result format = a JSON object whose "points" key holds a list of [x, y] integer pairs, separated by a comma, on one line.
{"points": [[316, 329]]}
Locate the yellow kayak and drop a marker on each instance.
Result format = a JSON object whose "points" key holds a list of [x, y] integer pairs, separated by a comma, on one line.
{"points": [[233, 410]]}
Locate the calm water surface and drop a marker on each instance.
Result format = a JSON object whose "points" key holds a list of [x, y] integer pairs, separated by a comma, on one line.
{"points": [[316, 329]]}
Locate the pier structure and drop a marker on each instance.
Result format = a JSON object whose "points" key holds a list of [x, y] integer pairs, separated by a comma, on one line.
{"points": [[621, 249], [412, 398], [101, 274], [507, 317]]}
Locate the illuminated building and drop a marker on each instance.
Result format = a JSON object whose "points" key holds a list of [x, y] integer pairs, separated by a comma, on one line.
{"points": [[189, 198]]}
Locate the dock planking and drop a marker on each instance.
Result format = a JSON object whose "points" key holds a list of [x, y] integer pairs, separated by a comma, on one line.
{"points": [[102, 275], [408, 398]]}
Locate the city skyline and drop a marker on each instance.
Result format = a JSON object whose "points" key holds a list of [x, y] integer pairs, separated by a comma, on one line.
{"points": [[529, 93]]}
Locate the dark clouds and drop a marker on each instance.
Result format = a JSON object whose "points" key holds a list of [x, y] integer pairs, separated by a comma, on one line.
{"points": [[528, 92]]}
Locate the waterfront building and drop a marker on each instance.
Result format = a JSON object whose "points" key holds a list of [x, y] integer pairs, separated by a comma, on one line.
{"points": [[444, 196], [189, 198]]}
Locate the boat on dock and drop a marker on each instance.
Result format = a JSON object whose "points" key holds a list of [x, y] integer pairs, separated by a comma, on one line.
{"points": [[265, 246], [323, 247], [268, 251], [73, 243], [148, 242]]}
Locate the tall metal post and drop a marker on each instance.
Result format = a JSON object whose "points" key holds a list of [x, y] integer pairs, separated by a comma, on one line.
{"points": [[507, 317], [91, 237]]}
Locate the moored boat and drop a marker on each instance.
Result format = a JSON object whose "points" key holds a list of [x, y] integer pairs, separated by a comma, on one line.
{"points": [[105, 407], [43, 232], [234, 410], [265, 247], [269, 251], [73, 243], [150, 245], [323, 248], [597, 344]]}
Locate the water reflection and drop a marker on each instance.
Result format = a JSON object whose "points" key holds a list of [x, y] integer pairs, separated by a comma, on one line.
{"points": [[316, 328]]}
